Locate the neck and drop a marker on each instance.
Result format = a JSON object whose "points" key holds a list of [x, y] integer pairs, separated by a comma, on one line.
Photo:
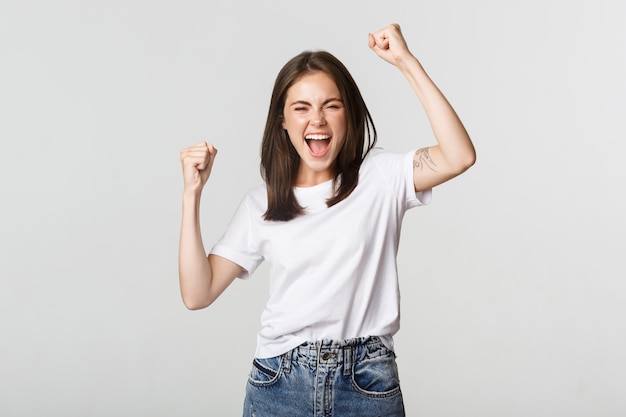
{"points": [[308, 178]]}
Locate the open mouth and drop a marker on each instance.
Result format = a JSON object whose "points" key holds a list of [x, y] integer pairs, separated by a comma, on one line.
{"points": [[318, 144]]}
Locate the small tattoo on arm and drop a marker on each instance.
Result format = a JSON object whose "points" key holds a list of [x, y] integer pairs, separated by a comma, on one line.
{"points": [[422, 159]]}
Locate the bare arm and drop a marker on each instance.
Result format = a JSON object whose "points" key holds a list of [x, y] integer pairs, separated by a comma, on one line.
{"points": [[454, 152], [202, 278]]}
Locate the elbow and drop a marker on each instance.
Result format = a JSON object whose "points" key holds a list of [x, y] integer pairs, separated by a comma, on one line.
{"points": [[194, 303], [194, 307], [469, 160], [466, 160], [462, 163]]}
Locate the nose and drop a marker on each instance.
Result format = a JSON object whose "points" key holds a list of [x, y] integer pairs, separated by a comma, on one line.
{"points": [[317, 118]]}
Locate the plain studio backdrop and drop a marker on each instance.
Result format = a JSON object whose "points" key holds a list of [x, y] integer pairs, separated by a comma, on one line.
{"points": [[513, 279]]}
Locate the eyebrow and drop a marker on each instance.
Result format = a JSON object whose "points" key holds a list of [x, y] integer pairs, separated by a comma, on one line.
{"points": [[324, 103]]}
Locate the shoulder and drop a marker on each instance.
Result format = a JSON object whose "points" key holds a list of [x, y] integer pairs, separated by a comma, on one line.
{"points": [[254, 200], [384, 159], [257, 192]]}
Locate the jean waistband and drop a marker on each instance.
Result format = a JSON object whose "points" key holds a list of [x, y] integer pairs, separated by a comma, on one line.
{"points": [[326, 344], [335, 352]]}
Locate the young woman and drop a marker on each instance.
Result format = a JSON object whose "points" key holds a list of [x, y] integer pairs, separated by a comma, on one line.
{"points": [[327, 219]]}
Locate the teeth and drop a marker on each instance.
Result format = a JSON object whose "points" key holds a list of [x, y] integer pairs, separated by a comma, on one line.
{"points": [[317, 137]]}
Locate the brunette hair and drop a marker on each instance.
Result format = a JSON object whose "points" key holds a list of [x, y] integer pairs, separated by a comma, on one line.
{"points": [[279, 159]]}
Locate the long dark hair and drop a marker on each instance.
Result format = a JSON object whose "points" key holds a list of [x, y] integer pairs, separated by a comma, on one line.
{"points": [[279, 159]]}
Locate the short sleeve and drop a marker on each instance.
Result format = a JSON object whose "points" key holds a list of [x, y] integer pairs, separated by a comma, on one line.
{"points": [[397, 170], [414, 198], [237, 243]]}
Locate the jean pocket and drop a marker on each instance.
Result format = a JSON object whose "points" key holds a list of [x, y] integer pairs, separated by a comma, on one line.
{"points": [[265, 371], [377, 377]]}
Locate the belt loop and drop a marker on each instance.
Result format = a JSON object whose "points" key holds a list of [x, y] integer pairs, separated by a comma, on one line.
{"points": [[287, 357], [347, 360], [318, 348]]}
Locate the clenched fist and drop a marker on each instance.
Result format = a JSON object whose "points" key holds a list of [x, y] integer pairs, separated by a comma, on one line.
{"points": [[389, 44], [197, 161]]}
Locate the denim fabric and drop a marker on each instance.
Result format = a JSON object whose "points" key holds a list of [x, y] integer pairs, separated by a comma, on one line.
{"points": [[355, 377]]}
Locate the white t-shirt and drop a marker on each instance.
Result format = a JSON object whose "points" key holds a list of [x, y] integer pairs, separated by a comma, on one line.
{"points": [[333, 271]]}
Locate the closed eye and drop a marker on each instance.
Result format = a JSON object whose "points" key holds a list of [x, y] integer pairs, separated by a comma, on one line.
{"points": [[333, 103]]}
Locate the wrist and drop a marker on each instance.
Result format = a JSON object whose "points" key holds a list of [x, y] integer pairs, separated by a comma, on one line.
{"points": [[191, 196], [408, 63]]}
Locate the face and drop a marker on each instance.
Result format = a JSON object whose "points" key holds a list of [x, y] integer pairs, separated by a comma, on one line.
{"points": [[315, 119]]}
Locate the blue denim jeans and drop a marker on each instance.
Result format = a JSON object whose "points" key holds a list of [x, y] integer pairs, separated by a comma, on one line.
{"points": [[355, 377]]}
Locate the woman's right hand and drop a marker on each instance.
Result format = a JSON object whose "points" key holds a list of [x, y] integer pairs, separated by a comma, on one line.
{"points": [[197, 161]]}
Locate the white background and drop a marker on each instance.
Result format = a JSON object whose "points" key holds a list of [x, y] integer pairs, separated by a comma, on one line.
{"points": [[513, 279]]}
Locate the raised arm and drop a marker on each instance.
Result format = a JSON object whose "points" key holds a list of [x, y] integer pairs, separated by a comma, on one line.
{"points": [[202, 279], [454, 152]]}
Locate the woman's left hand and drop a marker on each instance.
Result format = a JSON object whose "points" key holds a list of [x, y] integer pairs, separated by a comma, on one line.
{"points": [[389, 44]]}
